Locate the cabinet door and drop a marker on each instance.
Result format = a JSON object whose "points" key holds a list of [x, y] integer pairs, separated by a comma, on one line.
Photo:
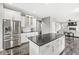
{"points": [[55, 47], [46, 49], [24, 38], [16, 15], [7, 14], [33, 48], [61, 44], [27, 21], [23, 21]]}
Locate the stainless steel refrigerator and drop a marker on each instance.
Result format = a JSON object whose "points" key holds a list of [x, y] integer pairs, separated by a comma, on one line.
{"points": [[11, 36]]}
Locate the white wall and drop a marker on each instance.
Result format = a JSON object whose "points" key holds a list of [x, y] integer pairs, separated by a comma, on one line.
{"points": [[46, 25], [1, 7], [53, 27]]}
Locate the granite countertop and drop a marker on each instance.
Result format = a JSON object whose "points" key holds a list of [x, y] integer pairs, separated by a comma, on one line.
{"points": [[45, 38]]}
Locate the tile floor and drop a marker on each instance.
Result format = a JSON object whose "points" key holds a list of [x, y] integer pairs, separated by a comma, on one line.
{"points": [[21, 50], [73, 49]]}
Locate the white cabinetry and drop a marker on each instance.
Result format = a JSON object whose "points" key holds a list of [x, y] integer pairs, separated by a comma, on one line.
{"points": [[47, 49], [52, 48], [24, 38], [33, 48], [23, 21], [61, 44], [7, 14], [12, 15], [16, 15]]}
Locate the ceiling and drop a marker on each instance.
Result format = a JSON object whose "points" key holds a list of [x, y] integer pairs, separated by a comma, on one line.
{"points": [[54, 10]]}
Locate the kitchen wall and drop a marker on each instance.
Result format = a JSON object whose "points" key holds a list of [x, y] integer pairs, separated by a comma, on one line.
{"points": [[1, 15], [50, 26]]}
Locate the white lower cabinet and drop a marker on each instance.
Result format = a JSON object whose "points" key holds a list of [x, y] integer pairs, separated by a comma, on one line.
{"points": [[61, 43], [52, 48], [33, 48], [47, 49], [24, 38]]}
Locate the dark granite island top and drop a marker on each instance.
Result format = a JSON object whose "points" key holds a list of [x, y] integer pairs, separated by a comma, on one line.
{"points": [[45, 38]]}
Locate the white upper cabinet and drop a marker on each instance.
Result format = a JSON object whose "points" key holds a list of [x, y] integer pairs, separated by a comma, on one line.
{"points": [[7, 14], [11, 14], [30, 21], [23, 21], [26, 21], [16, 15]]}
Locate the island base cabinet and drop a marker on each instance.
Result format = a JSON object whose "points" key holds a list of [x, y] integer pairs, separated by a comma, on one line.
{"points": [[52, 48], [47, 49], [33, 48], [59, 45]]}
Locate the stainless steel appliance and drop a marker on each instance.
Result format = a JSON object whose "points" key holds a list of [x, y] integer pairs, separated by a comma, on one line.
{"points": [[11, 34], [6, 33], [16, 33]]}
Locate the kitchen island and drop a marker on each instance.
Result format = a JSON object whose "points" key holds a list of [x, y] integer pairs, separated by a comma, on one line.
{"points": [[46, 44]]}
